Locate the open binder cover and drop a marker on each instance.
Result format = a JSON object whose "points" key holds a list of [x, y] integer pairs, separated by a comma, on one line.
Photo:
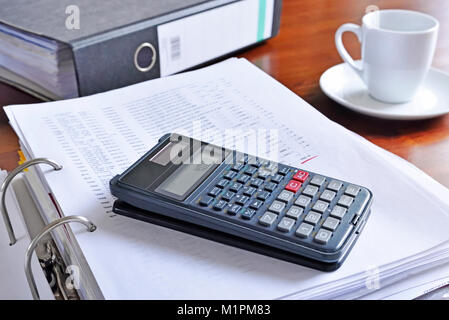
{"points": [[125, 43], [96, 137]]}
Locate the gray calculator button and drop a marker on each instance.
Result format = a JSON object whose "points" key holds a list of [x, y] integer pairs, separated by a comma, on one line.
{"points": [[328, 195], [352, 190], [267, 219], [277, 206], [312, 217], [286, 224], [310, 190], [318, 180], [285, 195], [331, 223], [323, 236], [334, 185], [338, 212], [320, 206], [303, 201], [304, 230], [345, 201], [294, 212]]}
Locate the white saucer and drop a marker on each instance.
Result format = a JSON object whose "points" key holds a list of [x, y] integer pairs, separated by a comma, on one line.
{"points": [[341, 84]]}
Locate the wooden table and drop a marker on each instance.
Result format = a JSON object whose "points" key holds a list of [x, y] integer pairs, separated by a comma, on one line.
{"points": [[297, 57]]}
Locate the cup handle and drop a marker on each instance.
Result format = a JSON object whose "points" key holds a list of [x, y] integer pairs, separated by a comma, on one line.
{"points": [[351, 27]]}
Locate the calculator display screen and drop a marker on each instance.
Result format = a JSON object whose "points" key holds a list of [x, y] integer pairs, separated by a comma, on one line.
{"points": [[184, 178], [176, 168], [192, 171]]}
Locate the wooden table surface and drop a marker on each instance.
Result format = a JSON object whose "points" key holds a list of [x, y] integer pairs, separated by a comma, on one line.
{"points": [[297, 57]]}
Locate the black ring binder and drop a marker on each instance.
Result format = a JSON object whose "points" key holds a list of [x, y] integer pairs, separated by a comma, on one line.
{"points": [[6, 183]]}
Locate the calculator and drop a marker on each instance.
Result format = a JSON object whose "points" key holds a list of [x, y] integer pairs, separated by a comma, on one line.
{"points": [[244, 201]]}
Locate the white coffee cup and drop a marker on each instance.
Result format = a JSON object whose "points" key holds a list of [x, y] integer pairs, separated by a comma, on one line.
{"points": [[397, 51]]}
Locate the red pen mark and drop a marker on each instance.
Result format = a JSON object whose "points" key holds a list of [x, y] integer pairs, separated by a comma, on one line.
{"points": [[307, 160]]}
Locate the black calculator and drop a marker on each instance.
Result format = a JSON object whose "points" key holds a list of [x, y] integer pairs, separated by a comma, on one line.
{"points": [[244, 201]]}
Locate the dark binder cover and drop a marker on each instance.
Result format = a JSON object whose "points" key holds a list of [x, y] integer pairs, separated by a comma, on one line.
{"points": [[104, 46]]}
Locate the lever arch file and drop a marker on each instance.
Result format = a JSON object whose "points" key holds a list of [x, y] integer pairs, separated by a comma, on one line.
{"points": [[76, 48]]}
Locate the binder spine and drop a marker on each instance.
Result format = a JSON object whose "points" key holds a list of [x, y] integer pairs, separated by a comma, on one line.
{"points": [[132, 54]]}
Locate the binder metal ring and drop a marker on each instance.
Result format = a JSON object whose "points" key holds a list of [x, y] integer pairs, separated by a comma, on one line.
{"points": [[153, 58], [6, 183], [48, 228]]}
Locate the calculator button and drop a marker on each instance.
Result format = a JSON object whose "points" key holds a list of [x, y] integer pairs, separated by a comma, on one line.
{"points": [[338, 212], [254, 162], [352, 190], [267, 219], [255, 182], [286, 224], [277, 206], [237, 167], [205, 201], [242, 158], [263, 195], [293, 186], [327, 195], [222, 183], [303, 201], [235, 186], [283, 170], [228, 195], [250, 171], [220, 205], [241, 199], [264, 163], [334, 185], [248, 213], [323, 236], [249, 191], [214, 192], [331, 223], [310, 190], [345, 201], [301, 175], [318, 180], [270, 186], [285, 196], [312, 217], [243, 178], [320, 206], [234, 209], [229, 175], [304, 230], [256, 204], [277, 178], [263, 173], [294, 212]]}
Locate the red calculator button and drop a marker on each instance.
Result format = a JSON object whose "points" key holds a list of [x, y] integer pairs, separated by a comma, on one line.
{"points": [[293, 186], [301, 176]]}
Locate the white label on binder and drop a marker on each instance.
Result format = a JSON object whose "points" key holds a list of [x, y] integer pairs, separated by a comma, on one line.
{"points": [[196, 39]]}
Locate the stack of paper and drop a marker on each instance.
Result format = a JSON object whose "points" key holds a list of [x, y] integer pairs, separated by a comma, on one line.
{"points": [[41, 66], [96, 137]]}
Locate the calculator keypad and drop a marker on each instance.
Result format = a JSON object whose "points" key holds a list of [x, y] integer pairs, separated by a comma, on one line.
{"points": [[285, 202]]}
